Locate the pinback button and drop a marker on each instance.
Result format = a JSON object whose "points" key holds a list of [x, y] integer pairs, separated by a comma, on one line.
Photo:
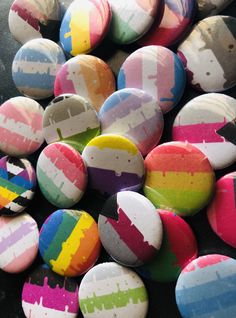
{"points": [[135, 114], [17, 185], [207, 288], [114, 164], [221, 212], [21, 126], [19, 238], [179, 178], [35, 66], [111, 290], [84, 25], [176, 21], [209, 61], [130, 229], [87, 76], [69, 242], [61, 174], [207, 8], [71, 119], [156, 70], [179, 247], [29, 20], [207, 122], [132, 19], [46, 294]]}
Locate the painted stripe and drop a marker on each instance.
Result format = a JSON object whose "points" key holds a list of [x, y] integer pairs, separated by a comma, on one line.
{"points": [[71, 245], [7, 196], [38, 310], [15, 250], [8, 186], [134, 239], [54, 233]]}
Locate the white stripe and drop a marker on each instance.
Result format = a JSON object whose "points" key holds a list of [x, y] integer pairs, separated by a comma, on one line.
{"points": [[13, 168], [139, 209], [37, 310], [58, 178], [21, 129], [35, 67], [133, 119], [15, 250], [149, 69], [77, 79], [71, 125], [107, 159]]}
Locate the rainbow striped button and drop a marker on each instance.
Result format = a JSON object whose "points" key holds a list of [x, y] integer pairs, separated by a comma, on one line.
{"points": [[46, 294], [221, 212], [130, 228], [61, 174], [111, 290], [19, 239], [179, 178], [87, 76], [207, 288], [21, 126], [84, 25], [69, 242], [17, 185], [114, 164]]}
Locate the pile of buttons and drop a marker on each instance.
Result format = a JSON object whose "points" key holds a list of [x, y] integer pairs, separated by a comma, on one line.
{"points": [[106, 150]]}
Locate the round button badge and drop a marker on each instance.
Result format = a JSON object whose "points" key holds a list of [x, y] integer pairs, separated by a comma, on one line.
{"points": [[179, 178], [69, 242], [156, 70], [130, 229], [135, 114]]}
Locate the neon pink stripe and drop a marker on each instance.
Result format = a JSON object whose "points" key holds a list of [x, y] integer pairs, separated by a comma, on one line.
{"points": [[55, 298], [197, 133]]}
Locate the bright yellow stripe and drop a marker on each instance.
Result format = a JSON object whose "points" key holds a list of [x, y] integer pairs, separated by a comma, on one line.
{"points": [[199, 181], [114, 142], [9, 195], [80, 31], [71, 245]]}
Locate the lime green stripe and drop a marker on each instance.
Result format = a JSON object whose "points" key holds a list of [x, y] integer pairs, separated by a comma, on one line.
{"points": [[115, 300]]}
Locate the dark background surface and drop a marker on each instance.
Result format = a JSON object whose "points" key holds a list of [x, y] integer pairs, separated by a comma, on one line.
{"points": [[161, 295]]}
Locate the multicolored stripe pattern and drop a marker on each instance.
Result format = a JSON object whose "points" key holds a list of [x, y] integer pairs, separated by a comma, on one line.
{"points": [[35, 66], [87, 76], [61, 174], [30, 19], [175, 23], [17, 185], [46, 294], [114, 164], [69, 242], [19, 237], [179, 178], [198, 122], [135, 114], [21, 126], [71, 119], [132, 19], [111, 290], [221, 212], [206, 57], [207, 288], [130, 228], [156, 70], [179, 247], [84, 25]]}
